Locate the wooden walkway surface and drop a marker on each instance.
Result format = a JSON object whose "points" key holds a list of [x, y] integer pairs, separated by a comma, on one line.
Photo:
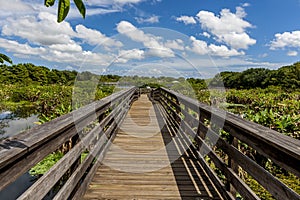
{"points": [[146, 161]]}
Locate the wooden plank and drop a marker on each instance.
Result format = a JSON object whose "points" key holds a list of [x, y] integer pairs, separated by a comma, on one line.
{"points": [[99, 156], [187, 143], [267, 180], [135, 174], [44, 184], [282, 149], [23, 151]]}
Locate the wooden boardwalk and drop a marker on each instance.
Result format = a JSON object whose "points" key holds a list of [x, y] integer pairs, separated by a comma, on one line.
{"points": [[149, 154], [139, 166]]}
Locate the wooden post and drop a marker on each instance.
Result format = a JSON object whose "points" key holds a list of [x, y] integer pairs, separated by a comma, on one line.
{"points": [[232, 164], [201, 121]]}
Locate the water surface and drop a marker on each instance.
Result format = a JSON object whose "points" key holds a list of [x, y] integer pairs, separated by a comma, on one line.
{"points": [[11, 124]]}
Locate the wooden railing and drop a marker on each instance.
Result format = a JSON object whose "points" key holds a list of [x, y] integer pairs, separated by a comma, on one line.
{"points": [[93, 127], [90, 128], [200, 125]]}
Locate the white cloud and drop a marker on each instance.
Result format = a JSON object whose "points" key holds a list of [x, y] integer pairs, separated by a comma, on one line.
{"points": [[54, 42], [94, 7], [78, 58], [238, 40], [96, 58], [160, 52], [202, 48], [126, 55], [228, 27], [240, 12], [15, 5], [69, 68], [108, 3], [156, 48], [223, 51], [94, 37], [61, 53], [137, 54], [122, 2], [246, 5], [91, 11], [175, 44], [43, 29], [150, 20], [73, 47], [286, 39], [17, 48], [206, 34], [292, 53], [186, 19], [198, 46]]}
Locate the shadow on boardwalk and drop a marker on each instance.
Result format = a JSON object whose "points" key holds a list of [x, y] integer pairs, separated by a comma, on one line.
{"points": [[191, 179]]}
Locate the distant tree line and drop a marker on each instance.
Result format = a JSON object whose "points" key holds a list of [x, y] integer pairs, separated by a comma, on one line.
{"points": [[286, 77], [30, 74]]}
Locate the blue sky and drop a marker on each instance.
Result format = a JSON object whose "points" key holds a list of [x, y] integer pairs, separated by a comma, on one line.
{"points": [[154, 37]]}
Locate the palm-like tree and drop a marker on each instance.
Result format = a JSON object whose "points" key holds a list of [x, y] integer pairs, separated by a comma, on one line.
{"points": [[4, 58]]}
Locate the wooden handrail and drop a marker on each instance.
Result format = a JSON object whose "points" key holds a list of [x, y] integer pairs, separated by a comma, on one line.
{"points": [[20, 153], [197, 124], [203, 123]]}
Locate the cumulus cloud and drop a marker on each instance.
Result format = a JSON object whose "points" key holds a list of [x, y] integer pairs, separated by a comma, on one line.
{"points": [[150, 20], [13, 7], [30, 7], [61, 53], [54, 42], [175, 44], [91, 11], [198, 46], [17, 48], [202, 48], [246, 4], [186, 19], [292, 53], [95, 37], [152, 43], [223, 51], [132, 54], [286, 39], [228, 27], [127, 1], [109, 3], [206, 34], [72, 47], [125, 55], [43, 29]]}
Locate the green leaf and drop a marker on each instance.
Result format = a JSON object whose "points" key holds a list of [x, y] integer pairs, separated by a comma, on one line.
{"points": [[49, 2], [63, 10], [5, 58], [80, 7]]}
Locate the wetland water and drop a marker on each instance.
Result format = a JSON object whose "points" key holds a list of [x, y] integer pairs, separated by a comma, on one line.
{"points": [[11, 124]]}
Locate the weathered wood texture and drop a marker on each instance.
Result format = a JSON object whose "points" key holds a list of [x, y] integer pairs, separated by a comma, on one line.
{"points": [[159, 152], [147, 161], [202, 124], [20, 153]]}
